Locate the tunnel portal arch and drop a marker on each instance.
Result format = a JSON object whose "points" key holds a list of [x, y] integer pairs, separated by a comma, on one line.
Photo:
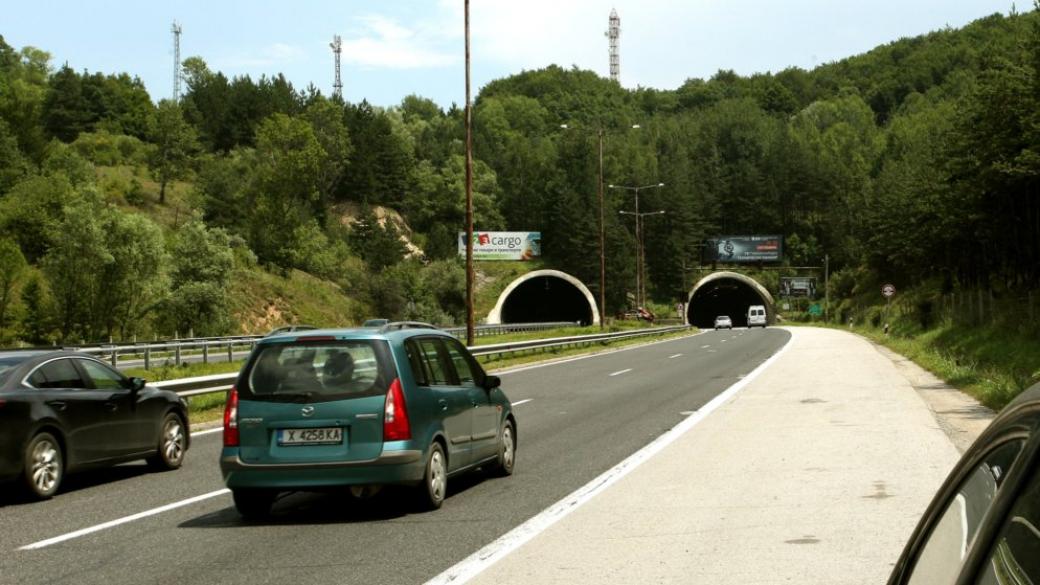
{"points": [[545, 296], [727, 293]]}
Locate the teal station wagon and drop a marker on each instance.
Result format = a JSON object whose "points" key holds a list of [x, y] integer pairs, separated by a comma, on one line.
{"points": [[362, 408]]}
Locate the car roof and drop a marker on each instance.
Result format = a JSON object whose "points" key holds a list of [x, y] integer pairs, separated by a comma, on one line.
{"points": [[389, 332]]}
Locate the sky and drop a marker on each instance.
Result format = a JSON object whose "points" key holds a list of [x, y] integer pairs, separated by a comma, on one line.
{"points": [[393, 48]]}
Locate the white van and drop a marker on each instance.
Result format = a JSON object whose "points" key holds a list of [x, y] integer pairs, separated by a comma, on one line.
{"points": [[756, 316]]}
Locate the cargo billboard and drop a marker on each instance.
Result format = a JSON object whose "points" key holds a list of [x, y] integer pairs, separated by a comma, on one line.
{"points": [[503, 245], [745, 249]]}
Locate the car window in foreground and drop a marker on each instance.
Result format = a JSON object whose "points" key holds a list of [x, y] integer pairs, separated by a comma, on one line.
{"points": [[7, 365], [320, 370], [1015, 558], [58, 374], [951, 538], [103, 378]]}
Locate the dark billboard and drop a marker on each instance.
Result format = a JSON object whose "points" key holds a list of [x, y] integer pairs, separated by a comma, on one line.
{"points": [[798, 286], [745, 249]]}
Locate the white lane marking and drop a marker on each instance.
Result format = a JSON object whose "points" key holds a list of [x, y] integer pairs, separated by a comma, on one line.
{"points": [[123, 520], [724, 340], [207, 431], [479, 561], [619, 372], [705, 346], [672, 357], [592, 355], [519, 402]]}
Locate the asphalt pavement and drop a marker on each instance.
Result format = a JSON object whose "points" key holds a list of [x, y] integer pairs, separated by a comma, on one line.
{"points": [[576, 419]]}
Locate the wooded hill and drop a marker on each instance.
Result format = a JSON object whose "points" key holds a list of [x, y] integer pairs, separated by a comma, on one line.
{"points": [[917, 161]]}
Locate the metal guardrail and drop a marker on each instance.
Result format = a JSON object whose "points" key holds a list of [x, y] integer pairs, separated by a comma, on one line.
{"points": [[232, 348], [188, 387]]}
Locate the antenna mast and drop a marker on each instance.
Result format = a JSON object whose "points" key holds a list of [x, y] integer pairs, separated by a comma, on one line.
{"points": [[176, 62], [337, 47], [614, 33]]}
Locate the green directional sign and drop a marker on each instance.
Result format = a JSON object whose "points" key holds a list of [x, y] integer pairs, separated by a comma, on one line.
{"points": [[816, 309]]}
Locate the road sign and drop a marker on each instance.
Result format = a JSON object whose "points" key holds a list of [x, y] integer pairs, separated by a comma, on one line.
{"points": [[888, 290], [816, 309]]}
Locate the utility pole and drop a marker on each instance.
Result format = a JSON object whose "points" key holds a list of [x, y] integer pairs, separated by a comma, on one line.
{"points": [[826, 289], [602, 241], [469, 196], [640, 260]]}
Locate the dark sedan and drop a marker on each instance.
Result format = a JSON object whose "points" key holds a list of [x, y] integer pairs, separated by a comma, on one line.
{"points": [[983, 527], [63, 411]]}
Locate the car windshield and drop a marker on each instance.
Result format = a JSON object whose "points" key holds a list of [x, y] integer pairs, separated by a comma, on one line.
{"points": [[305, 371]]}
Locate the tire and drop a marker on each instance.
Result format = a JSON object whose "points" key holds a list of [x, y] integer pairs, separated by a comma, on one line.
{"points": [[253, 504], [171, 444], [43, 466], [503, 467], [430, 493]]}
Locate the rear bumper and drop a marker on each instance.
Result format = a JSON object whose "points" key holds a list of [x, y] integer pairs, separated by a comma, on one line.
{"points": [[391, 467]]}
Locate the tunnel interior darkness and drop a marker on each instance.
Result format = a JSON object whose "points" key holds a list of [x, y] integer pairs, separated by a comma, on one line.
{"points": [[723, 296], [546, 299]]}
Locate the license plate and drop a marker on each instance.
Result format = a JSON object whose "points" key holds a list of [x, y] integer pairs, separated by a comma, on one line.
{"points": [[323, 436]]}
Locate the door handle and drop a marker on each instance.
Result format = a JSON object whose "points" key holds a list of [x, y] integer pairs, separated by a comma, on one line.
{"points": [[57, 404], [443, 403]]}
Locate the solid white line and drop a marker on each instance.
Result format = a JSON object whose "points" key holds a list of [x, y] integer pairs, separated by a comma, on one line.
{"points": [[672, 357], [123, 520], [207, 431], [619, 372], [477, 562], [519, 402]]}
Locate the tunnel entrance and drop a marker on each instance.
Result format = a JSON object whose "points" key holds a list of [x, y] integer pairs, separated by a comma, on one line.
{"points": [[726, 293], [545, 296]]}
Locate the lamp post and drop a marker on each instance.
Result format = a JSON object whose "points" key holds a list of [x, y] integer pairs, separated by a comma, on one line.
{"points": [[640, 280], [600, 132], [469, 197]]}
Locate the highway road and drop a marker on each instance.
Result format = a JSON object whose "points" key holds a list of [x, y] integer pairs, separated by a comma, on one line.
{"points": [[576, 419]]}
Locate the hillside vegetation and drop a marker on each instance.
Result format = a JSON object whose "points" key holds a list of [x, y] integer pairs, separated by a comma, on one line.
{"points": [[916, 163]]}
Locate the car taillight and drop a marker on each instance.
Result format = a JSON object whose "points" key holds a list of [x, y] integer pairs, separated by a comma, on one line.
{"points": [[231, 419], [395, 415]]}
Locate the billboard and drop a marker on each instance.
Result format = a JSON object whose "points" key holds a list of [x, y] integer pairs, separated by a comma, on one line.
{"points": [[745, 249], [798, 286], [503, 245]]}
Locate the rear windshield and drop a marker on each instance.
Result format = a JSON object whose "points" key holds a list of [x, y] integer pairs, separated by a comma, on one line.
{"points": [[317, 371]]}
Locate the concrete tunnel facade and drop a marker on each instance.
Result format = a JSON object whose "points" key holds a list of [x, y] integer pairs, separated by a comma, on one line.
{"points": [[727, 293], [545, 296]]}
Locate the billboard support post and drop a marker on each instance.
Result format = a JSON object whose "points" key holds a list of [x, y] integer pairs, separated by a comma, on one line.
{"points": [[826, 287]]}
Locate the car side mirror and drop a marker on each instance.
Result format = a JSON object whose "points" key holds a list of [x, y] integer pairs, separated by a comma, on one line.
{"points": [[137, 384], [491, 382]]}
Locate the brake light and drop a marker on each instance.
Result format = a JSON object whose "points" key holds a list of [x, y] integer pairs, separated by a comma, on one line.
{"points": [[395, 415], [231, 419]]}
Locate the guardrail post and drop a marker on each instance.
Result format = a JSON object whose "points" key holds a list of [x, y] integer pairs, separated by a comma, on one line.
{"points": [[115, 358], [205, 353], [147, 358], [230, 356], [177, 354]]}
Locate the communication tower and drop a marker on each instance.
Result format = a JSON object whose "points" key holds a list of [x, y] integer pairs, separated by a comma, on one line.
{"points": [[176, 62], [613, 34], [337, 47]]}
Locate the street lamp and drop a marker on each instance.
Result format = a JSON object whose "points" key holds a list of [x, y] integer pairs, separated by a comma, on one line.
{"points": [[600, 131], [640, 279]]}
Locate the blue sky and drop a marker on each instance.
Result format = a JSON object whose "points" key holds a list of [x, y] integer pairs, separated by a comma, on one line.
{"points": [[393, 48]]}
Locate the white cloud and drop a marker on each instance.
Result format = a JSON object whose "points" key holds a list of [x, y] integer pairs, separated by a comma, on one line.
{"points": [[385, 43]]}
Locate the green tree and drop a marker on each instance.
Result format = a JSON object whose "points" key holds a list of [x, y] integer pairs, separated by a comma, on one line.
{"points": [[12, 267], [176, 144], [202, 264], [37, 320]]}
